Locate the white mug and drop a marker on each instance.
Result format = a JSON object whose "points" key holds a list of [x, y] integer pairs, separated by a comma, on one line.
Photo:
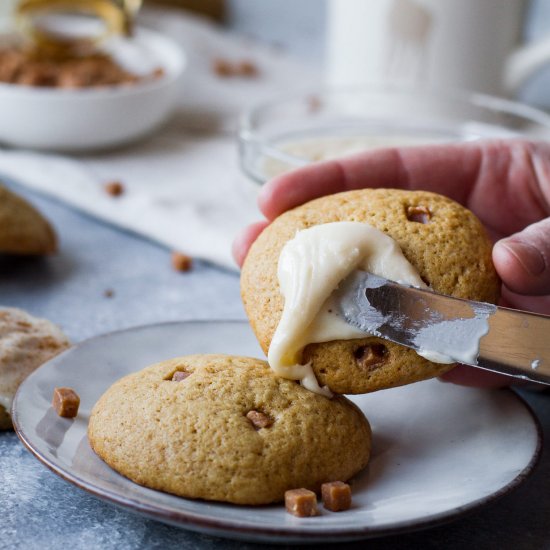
{"points": [[465, 44]]}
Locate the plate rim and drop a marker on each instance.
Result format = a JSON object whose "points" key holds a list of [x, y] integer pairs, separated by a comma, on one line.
{"points": [[247, 530]]}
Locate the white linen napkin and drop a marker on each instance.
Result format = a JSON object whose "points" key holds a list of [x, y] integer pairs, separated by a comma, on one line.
{"points": [[183, 186]]}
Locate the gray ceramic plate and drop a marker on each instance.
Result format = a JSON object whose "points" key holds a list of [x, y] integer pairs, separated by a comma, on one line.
{"points": [[439, 450]]}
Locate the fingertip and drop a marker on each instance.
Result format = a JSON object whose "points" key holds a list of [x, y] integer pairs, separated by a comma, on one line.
{"points": [[302, 185], [286, 191], [521, 266], [243, 241], [267, 199]]}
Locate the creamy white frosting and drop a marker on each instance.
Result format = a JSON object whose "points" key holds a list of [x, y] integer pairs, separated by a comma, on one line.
{"points": [[311, 266], [447, 334]]}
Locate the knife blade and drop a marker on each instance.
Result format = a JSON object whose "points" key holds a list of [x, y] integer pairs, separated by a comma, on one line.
{"points": [[447, 329]]}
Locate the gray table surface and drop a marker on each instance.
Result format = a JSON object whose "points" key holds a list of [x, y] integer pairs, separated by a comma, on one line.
{"points": [[40, 510]]}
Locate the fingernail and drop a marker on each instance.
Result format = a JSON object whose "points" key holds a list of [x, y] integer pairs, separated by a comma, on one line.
{"points": [[527, 255]]}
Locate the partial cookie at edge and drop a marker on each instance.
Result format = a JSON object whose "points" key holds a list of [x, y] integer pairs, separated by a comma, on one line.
{"points": [[26, 342], [23, 230]]}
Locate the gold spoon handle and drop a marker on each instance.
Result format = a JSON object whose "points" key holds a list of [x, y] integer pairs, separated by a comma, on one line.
{"points": [[117, 15]]}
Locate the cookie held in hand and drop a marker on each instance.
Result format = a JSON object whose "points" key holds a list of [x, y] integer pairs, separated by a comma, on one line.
{"points": [[442, 240], [23, 230], [225, 428]]}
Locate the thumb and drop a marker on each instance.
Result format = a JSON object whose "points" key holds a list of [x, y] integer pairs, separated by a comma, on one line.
{"points": [[523, 259]]}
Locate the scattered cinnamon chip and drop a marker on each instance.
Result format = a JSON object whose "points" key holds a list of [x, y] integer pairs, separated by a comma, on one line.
{"points": [[301, 503], [159, 72], [419, 214], [313, 103], [228, 68], [180, 375], [181, 262], [247, 68], [259, 419], [336, 496], [114, 188], [371, 355], [65, 402], [222, 67], [108, 293]]}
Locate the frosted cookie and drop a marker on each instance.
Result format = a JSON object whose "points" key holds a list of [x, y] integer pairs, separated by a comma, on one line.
{"points": [[23, 230], [225, 428], [25, 343], [414, 237]]}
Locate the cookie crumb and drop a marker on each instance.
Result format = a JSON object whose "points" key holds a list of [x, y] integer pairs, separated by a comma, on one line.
{"points": [[114, 188], [65, 402], [336, 496], [301, 503], [181, 262], [108, 293]]}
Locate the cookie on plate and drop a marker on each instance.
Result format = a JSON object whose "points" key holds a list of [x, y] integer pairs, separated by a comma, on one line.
{"points": [[23, 230], [225, 428], [25, 343], [444, 241]]}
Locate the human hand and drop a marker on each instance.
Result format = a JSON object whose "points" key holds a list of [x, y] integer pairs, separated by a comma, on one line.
{"points": [[505, 183]]}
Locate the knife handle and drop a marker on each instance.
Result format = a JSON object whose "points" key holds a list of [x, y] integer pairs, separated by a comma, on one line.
{"points": [[518, 343]]}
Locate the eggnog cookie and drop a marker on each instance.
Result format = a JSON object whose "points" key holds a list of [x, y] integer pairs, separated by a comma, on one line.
{"points": [[23, 230], [440, 240], [225, 428], [25, 343]]}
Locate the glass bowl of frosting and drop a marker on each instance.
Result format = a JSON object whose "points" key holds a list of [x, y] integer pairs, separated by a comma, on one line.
{"points": [[299, 129]]}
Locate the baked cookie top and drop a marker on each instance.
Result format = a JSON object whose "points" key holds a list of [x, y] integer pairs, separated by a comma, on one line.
{"points": [[225, 428], [444, 241]]}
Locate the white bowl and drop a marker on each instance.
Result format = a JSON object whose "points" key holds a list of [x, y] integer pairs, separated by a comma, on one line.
{"points": [[96, 118]]}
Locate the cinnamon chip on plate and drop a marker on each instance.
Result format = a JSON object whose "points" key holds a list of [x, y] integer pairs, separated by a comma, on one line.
{"points": [[336, 496], [65, 402], [301, 503]]}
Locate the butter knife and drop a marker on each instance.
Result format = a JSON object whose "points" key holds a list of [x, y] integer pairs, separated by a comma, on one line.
{"points": [[446, 329]]}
